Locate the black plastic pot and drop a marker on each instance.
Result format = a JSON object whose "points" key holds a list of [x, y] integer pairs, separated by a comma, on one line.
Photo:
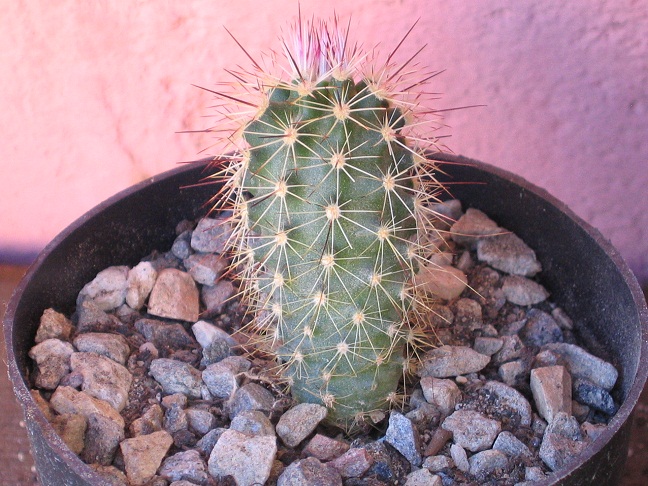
{"points": [[584, 273]]}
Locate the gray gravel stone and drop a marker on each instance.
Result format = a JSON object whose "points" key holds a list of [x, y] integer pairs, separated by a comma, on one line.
{"points": [[552, 389], [211, 235], [250, 397], [297, 423], [248, 459], [402, 435], [143, 455], [223, 378], [488, 462], [510, 445], [52, 357], [514, 372], [185, 465], [139, 282], [446, 361], [91, 318], [175, 296], [176, 377], [253, 422], [216, 296], [103, 378], [205, 268], [164, 335], [488, 346], [562, 441], [108, 289], [113, 346], [511, 402], [181, 246], [309, 472], [512, 348], [459, 457], [201, 420], [472, 430], [540, 329], [443, 394], [508, 253], [53, 325], [523, 291], [582, 364], [593, 396]]}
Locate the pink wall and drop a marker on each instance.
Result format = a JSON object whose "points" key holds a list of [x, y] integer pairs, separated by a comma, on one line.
{"points": [[93, 93]]}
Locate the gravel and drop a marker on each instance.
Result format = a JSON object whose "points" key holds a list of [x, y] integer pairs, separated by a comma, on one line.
{"points": [[149, 383]]}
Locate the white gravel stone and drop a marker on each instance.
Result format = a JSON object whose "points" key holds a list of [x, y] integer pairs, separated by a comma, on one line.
{"points": [[297, 423], [551, 387], [472, 430], [206, 333], [140, 281], [108, 289], [248, 459]]}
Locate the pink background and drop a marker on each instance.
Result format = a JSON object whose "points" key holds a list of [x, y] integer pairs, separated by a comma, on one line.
{"points": [[93, 93]]}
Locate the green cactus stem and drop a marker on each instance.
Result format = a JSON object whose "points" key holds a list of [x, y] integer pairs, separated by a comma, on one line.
{"points": [[330, 193]]}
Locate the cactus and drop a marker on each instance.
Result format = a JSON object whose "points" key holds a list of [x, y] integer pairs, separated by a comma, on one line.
{"points": [[329, 192]]}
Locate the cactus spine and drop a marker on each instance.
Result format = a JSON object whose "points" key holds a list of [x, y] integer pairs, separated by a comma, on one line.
{"points": [[329, 193]]}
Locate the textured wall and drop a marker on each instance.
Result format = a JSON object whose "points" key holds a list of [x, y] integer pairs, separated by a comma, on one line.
{"points": [[93, 94]]}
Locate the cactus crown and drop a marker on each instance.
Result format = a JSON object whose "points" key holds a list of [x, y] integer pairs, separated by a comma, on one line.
{"points": [[329, 190]]}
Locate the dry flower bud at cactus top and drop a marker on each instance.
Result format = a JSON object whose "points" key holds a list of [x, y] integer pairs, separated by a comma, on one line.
{"points": [[329, 192]]}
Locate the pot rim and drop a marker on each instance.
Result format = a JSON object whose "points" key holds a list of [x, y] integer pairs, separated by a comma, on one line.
{"points": [[32, 411]]}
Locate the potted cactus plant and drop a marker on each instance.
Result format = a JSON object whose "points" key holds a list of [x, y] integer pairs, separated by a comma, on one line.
{"points": [[330, 191]]}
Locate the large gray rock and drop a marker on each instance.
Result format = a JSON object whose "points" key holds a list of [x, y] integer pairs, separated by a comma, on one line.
{"points": [[582, 364], [508, 253], [523, 291]]}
